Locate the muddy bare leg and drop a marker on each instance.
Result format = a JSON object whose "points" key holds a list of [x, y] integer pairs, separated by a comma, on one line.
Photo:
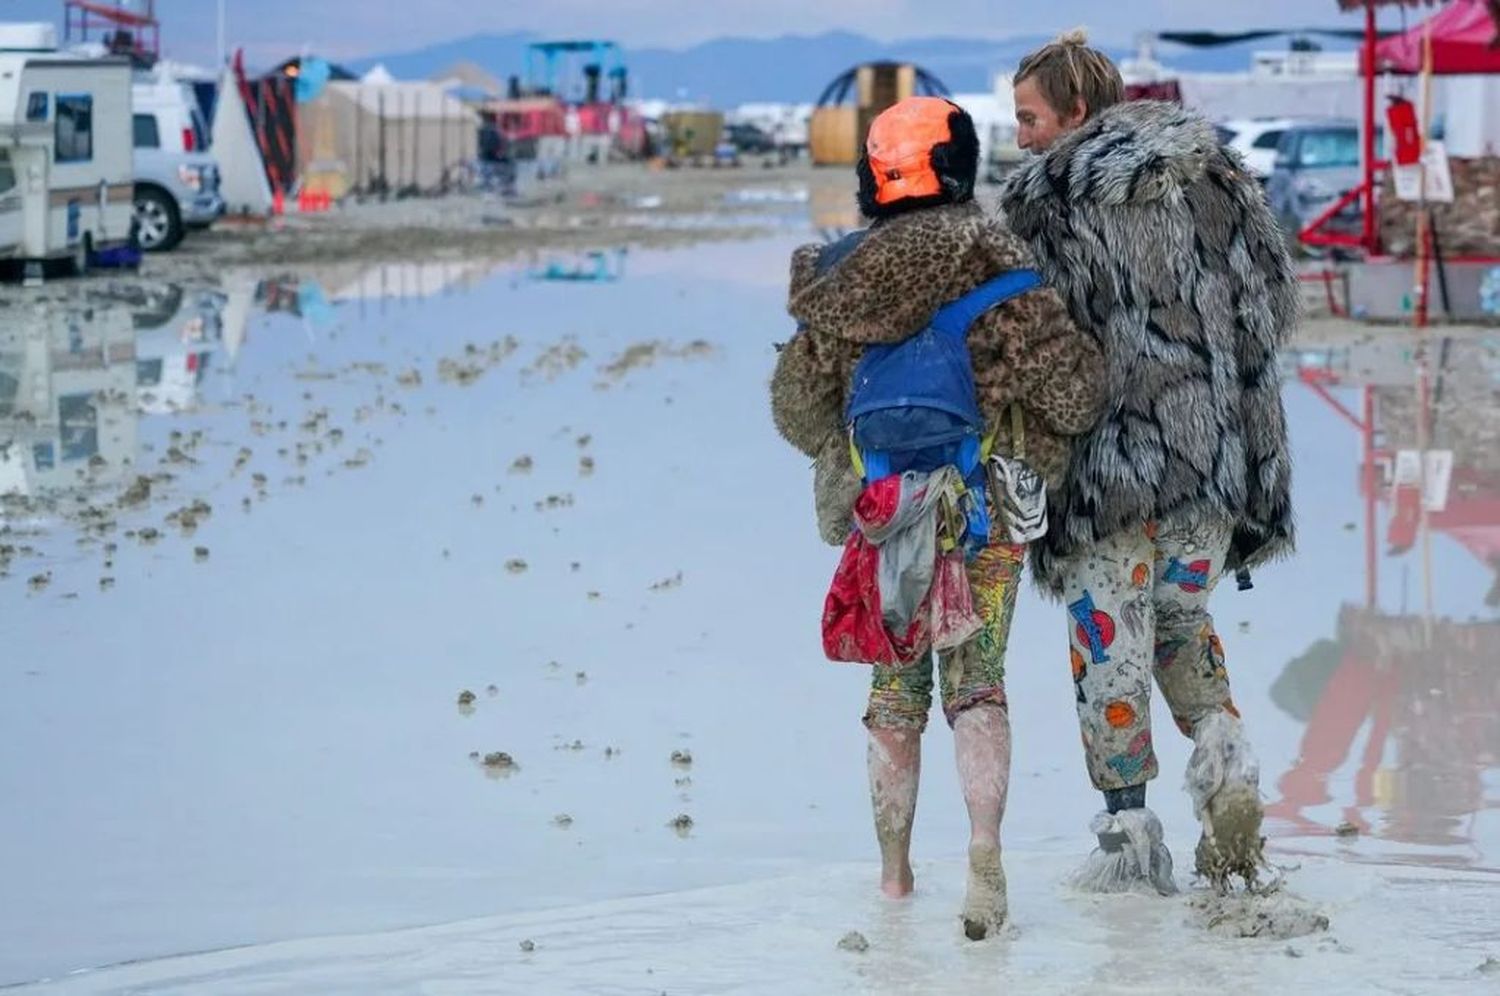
{"points": [[982, 738], [895, 763]]}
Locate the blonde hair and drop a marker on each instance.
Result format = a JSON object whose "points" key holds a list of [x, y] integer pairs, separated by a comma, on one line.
{"points": [[1067, 70]]}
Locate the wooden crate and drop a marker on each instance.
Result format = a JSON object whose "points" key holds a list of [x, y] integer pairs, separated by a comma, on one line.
{"points": [[692, 133], [837, 133], [834, 136]]}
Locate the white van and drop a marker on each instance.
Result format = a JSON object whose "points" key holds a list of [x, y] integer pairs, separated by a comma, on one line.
{"points": [[66, 165]]}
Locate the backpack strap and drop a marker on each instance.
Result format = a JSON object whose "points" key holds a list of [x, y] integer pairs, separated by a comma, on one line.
{"points": [[956, 316], [834, 253]]}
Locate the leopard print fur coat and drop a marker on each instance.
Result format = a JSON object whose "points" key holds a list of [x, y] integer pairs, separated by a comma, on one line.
{"points": [[1026, 351]]}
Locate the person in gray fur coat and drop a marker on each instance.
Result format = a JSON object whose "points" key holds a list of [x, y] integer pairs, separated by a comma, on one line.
{"points": [[1161, 245]]}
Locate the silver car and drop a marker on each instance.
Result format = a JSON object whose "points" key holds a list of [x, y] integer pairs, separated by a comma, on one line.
{"points": [[176, 180], [1317, 162]]}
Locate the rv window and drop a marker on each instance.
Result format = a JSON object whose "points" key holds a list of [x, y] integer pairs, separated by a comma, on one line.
{"points": [[36, 107], [147, 134], [75, 129], [7, 172]]}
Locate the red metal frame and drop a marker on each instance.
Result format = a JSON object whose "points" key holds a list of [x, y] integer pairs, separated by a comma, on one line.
{"points": [[1368, 238], [1371, 231], [84, 15], [1326, 278]]}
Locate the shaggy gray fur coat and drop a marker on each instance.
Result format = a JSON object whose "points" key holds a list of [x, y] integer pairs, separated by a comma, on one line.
{"points": [[1162, 246]]}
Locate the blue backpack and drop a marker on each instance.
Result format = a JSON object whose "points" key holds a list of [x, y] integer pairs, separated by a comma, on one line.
{"points": [[913, 405]]}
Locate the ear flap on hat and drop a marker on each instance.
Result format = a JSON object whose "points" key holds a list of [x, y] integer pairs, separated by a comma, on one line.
{"points": [[956, 161]]}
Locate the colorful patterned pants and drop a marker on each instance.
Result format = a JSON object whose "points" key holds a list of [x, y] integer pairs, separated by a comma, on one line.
{"points": [[901, 697], [1137, 607]]}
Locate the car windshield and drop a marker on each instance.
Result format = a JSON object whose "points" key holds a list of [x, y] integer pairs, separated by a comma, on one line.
{"points": [[1329, 147]]}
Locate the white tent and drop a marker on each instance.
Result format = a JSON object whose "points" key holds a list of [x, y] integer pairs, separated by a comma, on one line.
{"points": [[242, 172]]}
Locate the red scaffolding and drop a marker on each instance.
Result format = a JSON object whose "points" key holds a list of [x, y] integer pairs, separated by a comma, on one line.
{"points": [[1401, 55], [125, 28]]}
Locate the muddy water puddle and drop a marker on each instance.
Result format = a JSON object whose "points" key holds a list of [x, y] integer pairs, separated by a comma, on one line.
{"points": [[261, 538]]}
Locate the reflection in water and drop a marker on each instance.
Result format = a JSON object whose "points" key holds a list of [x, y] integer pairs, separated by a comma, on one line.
{"points": [[1430, 695], [595, 266], [73, 381], [1424, 686], [66, 399], [834, 210]]}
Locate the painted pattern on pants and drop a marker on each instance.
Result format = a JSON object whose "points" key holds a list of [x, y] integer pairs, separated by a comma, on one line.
{"points": [[974, 672], [1138, 607]]}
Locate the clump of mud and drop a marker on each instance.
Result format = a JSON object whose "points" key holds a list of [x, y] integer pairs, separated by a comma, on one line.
{"points": [[1346, 830], [528, 946], [854, 941], [1274, 913], [582, 677], [475, 361], [516, 566], [200, 553], [466, 697], [188, 517], [138, 493], [644, 354], [585, 466], [522, 464], [39, 582], [558, 359], [667, 584], [681, 824], [562, 821], [500, 761], [682, 758]]}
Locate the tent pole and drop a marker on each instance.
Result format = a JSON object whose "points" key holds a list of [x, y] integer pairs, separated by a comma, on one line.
{"points": [[1370, 237], [1367, 451]]}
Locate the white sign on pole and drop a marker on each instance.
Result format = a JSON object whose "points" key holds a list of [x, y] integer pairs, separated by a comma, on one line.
{"points": [[1438, 176], [1408, 468], [1437, 474]]}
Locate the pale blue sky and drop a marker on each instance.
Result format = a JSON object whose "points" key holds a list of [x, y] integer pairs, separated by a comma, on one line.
{"points": [[270, 29]]}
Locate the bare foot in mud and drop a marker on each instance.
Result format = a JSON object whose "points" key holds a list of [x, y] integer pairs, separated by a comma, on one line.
{"points": [[985, 906], [897, 883]]}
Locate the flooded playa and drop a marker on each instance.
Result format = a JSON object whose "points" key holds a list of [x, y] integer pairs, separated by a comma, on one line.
{"points": [[364, 597]]}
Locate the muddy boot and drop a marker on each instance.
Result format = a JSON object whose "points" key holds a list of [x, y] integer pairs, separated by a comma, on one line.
{"points": [[1223, 779], [1131, 853]]}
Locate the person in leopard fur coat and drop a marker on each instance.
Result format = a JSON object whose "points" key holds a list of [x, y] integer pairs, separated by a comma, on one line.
{"points": [[928, 245]]}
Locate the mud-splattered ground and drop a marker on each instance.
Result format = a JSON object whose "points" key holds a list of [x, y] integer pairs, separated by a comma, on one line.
{"points": [[264, 532]]}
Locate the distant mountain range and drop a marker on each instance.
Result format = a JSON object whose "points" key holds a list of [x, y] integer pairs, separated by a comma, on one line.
{"points": [[730, 71]]}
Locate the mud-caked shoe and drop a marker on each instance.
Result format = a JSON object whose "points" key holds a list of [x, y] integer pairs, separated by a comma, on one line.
{"points": [[1132, 854], [1223, 779]]}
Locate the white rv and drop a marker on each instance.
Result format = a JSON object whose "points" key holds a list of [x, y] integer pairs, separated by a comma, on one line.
{"points": [[66, 159]]}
